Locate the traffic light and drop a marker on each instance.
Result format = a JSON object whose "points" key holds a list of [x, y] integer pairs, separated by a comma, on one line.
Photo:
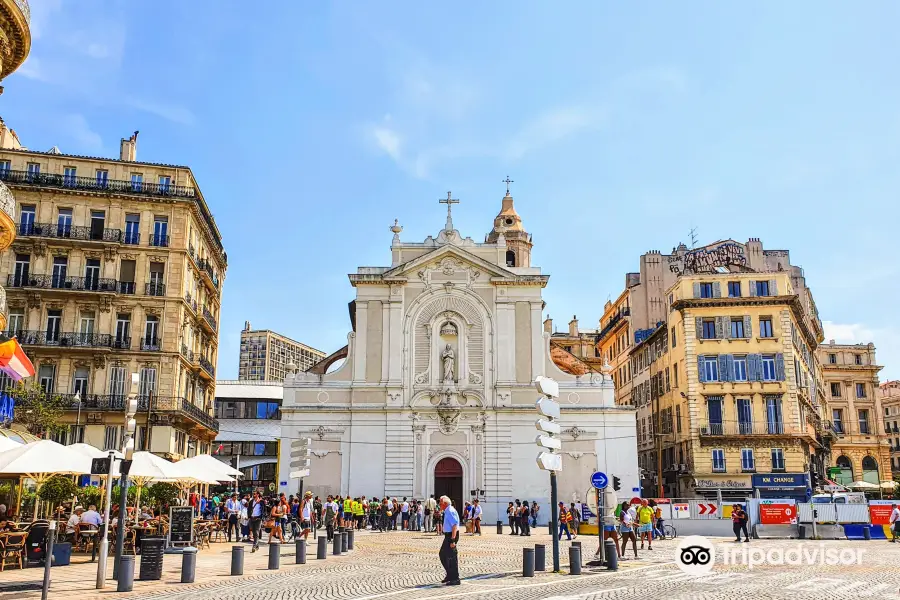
{"points": [[617, 483], [814, 479]]}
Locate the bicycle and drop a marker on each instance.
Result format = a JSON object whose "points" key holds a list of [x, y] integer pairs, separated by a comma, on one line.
{"points": [[671, 533]]}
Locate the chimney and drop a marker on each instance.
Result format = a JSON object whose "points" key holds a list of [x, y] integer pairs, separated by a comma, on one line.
{"points": [[246, 325], [548, 325], [573, 326], [128, 148]]}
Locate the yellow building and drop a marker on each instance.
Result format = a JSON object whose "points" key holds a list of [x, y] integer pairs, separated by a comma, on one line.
{"points": [[117, 269], [15, 35], [862, 449], [575, 345], [889, 393]]}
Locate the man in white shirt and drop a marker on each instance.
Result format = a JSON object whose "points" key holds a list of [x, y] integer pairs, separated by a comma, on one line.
{"points": [[476, 517], [306, 512], [73, 523], [430, 505], [232, 510], [92, 517], [404, 511], [895, 522]]}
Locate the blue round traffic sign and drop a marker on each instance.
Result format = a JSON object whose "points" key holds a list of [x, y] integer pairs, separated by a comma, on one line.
{"points": [[599, 480]]}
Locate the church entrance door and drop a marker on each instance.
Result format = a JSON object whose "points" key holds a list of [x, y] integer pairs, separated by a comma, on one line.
{"points": [[448, 481]]}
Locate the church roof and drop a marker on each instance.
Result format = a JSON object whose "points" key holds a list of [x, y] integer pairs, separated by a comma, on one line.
{"points": [[507, 221]]}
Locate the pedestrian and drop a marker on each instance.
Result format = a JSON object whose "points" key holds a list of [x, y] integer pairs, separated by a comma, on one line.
{"points": [[385, 514], [895, 523], [347, 512], [306, 515], [404, 514], [439, 520], [575, 523], [448, 554], [645, 524], [244, 519], [476, 517], [330, 508], [525, 523], [510, 515], [232, 509], [430, 505], [739, 520], [659, 525], [626, 528], [534, 513], [256, 510], [420, 515], [564, 522], [277, 521], [317, 508]]}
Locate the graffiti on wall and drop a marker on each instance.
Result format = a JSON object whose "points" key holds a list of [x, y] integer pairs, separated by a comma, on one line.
{"points": [[706, 260]]}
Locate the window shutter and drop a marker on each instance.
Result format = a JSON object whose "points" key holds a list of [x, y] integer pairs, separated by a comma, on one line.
{"points": [[773, 287], [748, 327], [729, 362], [720, 328], [753, 367], [702, 375], [696, 290], [779, 367], [726, 327], [699, 322], [717, 289], [723, 368], [752, 288]]}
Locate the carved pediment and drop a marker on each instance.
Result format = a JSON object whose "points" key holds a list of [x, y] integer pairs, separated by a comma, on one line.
{"points": [[447, 261]]}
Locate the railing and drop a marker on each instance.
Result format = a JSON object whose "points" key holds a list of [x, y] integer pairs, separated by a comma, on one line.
{"points": [[155, 289], [58, 282], [151, 344], [190, 302], [613, 321], [64, 339], [739, 428], [118, 402], [126, 287], [121, 343], [97, 402], [206, 267], [188, 354], [161, 241], [133, 238], [181, 405], [209, 318], [207, 366], [7, 201], [70, 232], [92, 184]]}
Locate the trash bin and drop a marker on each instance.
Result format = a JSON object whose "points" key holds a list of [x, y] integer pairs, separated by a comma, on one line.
{"points": [[62, 554], [152, 552]]}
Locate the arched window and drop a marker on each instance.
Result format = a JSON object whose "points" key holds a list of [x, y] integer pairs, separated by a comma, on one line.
{"points": [[869, 464], [510, 258], [846, 474]]}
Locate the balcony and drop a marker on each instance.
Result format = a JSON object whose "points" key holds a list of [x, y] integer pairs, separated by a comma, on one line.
{"points": [[70, 232], [613, 321], [165, 404], [92, 184], [121, 343], [187, 354], [64, 340], [132, 238], [737, 428], [127, 287], [210, 319], [155, 289], [168, 404], [191, 302], [207, 367], [160, 241], [60, 282], [206, 269], [151, 344], [92, 402]]}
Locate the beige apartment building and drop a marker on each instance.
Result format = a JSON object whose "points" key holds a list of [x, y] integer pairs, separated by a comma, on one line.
{"points": [[266, 354], [889, 393], [575, 345], [117, 268], [854, 405]]}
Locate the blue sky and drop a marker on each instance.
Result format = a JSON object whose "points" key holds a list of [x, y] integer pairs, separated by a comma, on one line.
{"points": [[312, 126]]}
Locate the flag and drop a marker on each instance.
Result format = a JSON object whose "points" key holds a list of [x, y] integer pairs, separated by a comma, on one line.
{"points": [[13, 361], [219, 449]]}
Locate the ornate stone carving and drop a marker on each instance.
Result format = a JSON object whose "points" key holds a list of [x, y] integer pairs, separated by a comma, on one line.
{"points": [[448, 286], [322, 453], [110, 252], [422, 377], [161, 258], [105, 304], [394, 397], [576, 432], [448, 360], [99, 361], [40, 248], [475, 378], [129, 256], [448, 420], [449, 329], [449, 266], [33, 299]]}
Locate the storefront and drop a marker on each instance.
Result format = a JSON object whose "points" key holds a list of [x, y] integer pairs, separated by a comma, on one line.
{"points": [[730, 488], [782, 485]]}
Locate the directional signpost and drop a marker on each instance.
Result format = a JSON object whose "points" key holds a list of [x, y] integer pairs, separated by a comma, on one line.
{"points": [[549, 442], [599, 480]]}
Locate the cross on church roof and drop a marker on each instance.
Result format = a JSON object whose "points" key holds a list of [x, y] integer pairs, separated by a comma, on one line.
{"points": [[507, 181], [449, 201]]}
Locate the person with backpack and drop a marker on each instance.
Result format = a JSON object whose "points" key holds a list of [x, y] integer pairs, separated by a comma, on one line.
{"points": [[739, 520], [564, 519]]}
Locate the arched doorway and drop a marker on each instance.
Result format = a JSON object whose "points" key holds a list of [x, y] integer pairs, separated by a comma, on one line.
{"points": [[846, 467], [870, 470], [448, 481]]}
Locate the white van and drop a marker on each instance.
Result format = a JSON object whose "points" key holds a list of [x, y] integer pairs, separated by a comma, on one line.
{"points": [[840, 498]]}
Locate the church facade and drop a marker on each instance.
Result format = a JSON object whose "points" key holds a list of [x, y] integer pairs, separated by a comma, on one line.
{"points": [[436, 394]]}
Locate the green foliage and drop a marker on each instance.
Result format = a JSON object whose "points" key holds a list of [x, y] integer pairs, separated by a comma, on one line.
{"points": [[117, 494], [162, 493], [40, 413], [90, 495], [57, 489]]}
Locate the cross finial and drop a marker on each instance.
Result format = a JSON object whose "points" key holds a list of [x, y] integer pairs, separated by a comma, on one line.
{"points": [[507, 181], [449, 201]]}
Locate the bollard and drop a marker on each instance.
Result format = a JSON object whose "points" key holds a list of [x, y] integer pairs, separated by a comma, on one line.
{"points": [[867, 532], [125, 583], [300, 551], [188, 564], [499, 527], [574, 560], [345, 541], [350, 540], [527, 562], [322, 549], [612, 555], [237, 560], [274, 555], [336, 545], [801, 532], [540, 557]]}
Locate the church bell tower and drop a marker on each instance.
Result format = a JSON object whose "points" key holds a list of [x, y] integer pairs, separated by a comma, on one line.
{"points": [[509, 224]]}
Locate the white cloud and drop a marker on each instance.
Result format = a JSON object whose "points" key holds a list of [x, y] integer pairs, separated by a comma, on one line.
{"points": [[77, 128], [849, 333], [170, 112], [552, 127], [388, 140]]}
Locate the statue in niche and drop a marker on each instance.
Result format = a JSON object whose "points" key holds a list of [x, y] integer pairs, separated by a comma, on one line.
{"points": [[448, 357]]}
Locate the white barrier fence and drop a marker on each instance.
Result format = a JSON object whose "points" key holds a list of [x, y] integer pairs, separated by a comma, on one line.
{"points": [[833, 513]]}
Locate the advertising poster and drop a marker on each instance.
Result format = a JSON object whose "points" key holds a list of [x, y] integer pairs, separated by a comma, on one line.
{"points": [[783, 513]]}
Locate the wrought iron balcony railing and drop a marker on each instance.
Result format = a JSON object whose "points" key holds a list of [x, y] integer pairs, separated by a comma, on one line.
{"points": [[739, 428], [131, 237], [613, 321], [60, 282], [164, 404], [161, 241], [63, 339], [206, 267], [126, 287], [151, 344], [121, 342], [207, 366], [92, 184], [70, 232], [209, 318], [155, 289]]}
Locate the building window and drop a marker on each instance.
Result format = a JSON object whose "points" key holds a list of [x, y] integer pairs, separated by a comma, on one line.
{"points": [[864, 420], [765, 327], [709, 329], [860, 390], [734, 289], [111, 438], [748, 462], [718, 460], [123, 330], [777, 459], [832, 359], [715, 414], [745, 416], [837, 419], [673, 337], [54, 325], [60, 270], [160, 232], [858, 358], [762, 288], [92, 274], [26, 219], [180, 442], [147, 381], [510, 258], [4, 168], [151, 333], [102, 178], [709, 368], [16, 321], [737, 327], [835, 390], [23, 265], [69, 175], [164, 182], [47, 377], [768, 368], [80, 381], [774, 417], [137, 182], [32, 170], [132, 229], [740, 368], [117, 382], [706, 290], [64, 223]]}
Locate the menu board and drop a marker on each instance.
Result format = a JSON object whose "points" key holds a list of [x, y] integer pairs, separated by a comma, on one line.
{"points": [[181, 524]]}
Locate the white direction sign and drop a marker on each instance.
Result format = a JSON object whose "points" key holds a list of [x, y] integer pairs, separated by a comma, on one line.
{"points": [[545, 441], [548, 427], [300, 474], [547, 407], [549, 462]]}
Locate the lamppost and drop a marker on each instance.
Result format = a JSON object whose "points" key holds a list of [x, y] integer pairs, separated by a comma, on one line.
{"points": [[128, 451], [77, 400], [550, 444]]}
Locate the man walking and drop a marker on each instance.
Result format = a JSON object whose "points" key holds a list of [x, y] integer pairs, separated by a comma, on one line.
{"points": [[645, 524], [476, 518], [306, 512], [256, 511], [404, 513], [232, 508], [448, 554], [895, 523], [430, 505]]}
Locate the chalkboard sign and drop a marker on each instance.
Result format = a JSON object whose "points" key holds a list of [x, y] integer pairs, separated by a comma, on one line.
{"points": [[181, 525]]}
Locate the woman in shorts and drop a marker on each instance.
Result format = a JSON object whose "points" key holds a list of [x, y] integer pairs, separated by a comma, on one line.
{"points": [[626, 529]]}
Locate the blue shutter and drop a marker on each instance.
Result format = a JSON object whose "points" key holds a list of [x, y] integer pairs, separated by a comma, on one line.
{"points": [[753, 365], [702, 375], [729, 362], [717, 289], [696, 290], [699, 323], [779, 367], [748, 327], [726, 327], [720, 328], [723, 368], [773, 287], [752, 288]]}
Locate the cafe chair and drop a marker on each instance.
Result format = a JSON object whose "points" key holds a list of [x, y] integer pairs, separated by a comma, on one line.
{"points": [[129, 545], [13, 547]]}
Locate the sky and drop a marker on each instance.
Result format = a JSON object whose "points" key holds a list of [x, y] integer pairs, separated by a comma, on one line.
{"points": [[311, 126]]}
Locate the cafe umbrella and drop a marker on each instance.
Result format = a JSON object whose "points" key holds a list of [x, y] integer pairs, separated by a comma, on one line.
{"points": [[41, 460]]}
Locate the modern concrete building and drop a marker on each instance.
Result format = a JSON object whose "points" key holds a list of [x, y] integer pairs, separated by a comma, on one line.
{"points": [[889, 393], [117, 268], [862, 449], [266, 354], [249, 414]]}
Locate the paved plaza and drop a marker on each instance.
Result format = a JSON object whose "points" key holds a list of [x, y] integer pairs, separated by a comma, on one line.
{"points": [[404, 566]]}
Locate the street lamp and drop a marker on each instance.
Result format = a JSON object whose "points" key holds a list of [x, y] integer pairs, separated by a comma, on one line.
{"points": [[77, 400]]}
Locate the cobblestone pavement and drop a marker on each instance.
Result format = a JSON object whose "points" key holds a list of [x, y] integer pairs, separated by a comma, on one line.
{"points": [[404, 566]]}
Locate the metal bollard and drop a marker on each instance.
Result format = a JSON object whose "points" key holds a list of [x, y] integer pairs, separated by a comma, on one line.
{"points": [[336, 545], [237, 560], [300, 551], [125, 583], [499, 527], [274, 555], [801, 532], [867, 532], [345, 541], [612, 555], [574, 560], [350, 540], [527, 562], [188, 565], [322, 549], [540, 557]]}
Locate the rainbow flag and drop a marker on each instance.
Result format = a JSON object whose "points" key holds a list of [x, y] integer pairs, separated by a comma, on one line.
{"points": [[13, 361]]}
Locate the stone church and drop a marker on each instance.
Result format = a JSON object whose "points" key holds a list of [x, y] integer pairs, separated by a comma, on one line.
{"points": [[436, 395]]}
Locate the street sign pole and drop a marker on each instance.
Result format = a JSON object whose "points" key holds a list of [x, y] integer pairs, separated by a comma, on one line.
{"points": [[601, 532], [549, 459], [104, 539]]}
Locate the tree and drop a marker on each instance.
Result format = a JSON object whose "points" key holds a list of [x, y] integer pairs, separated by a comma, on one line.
{"points": [[39, 412], [162, 494], [57, 489], [90, 495]]}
